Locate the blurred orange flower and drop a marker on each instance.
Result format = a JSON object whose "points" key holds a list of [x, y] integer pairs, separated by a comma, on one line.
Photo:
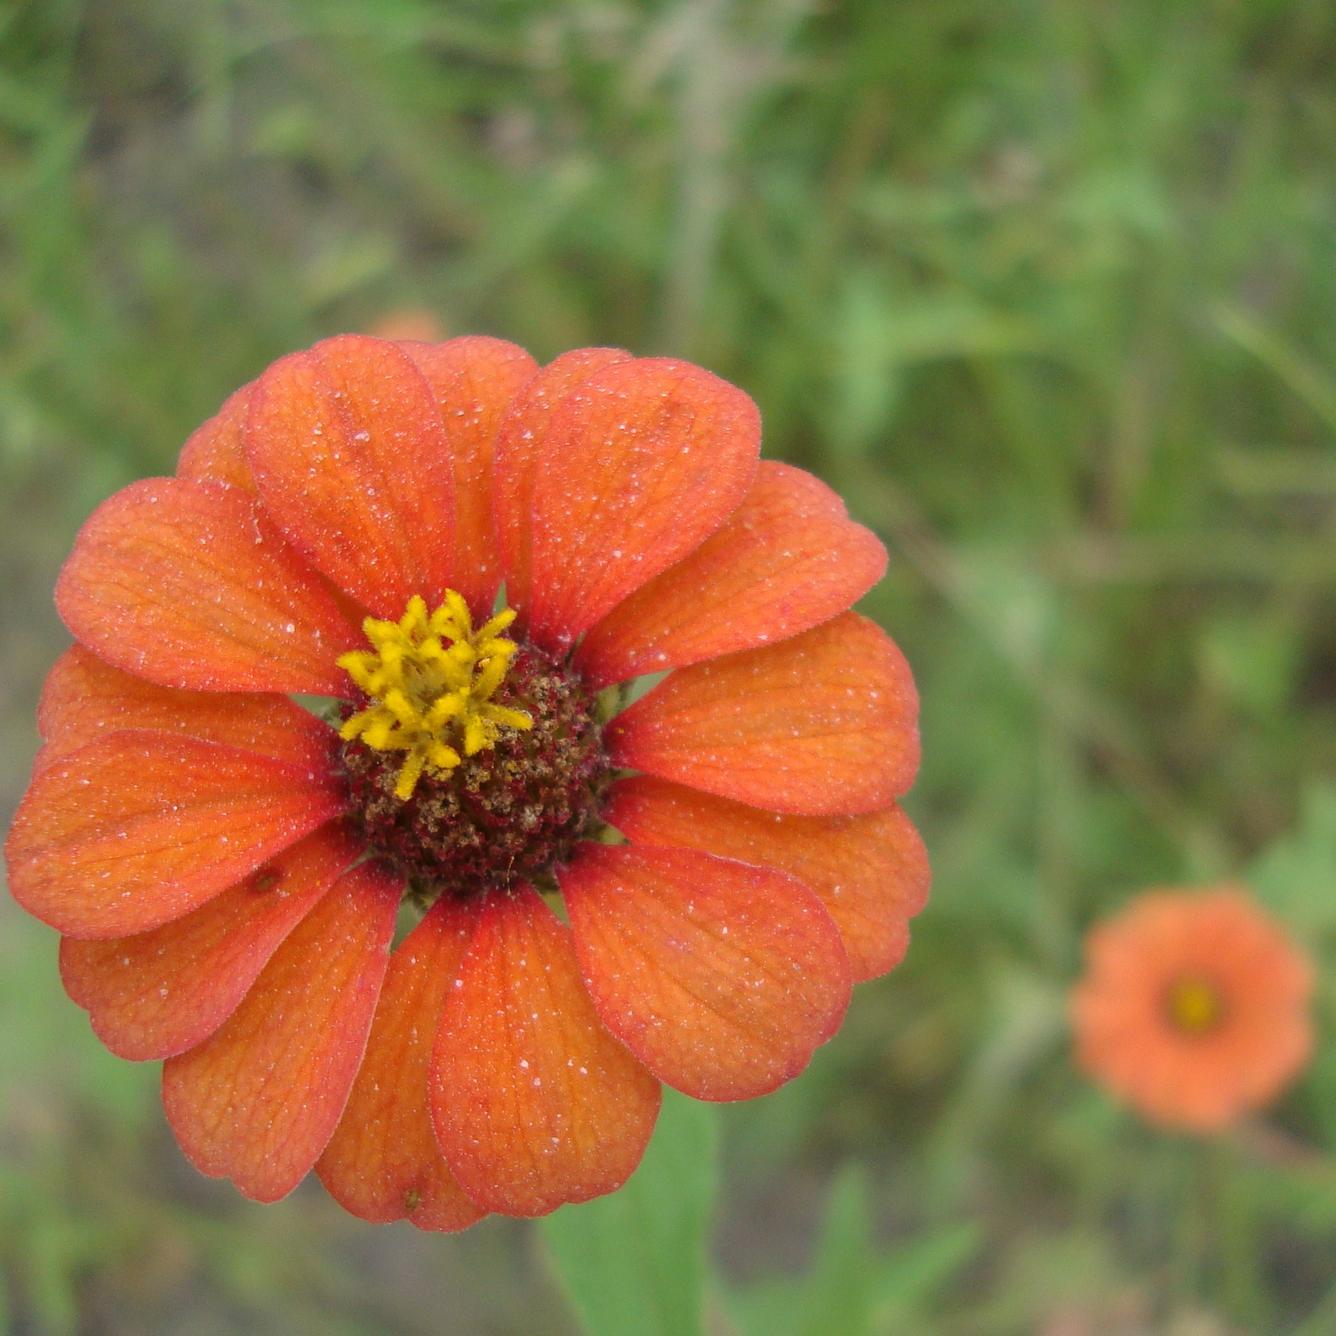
{"points": [[1193, 1008], [227, 863]]}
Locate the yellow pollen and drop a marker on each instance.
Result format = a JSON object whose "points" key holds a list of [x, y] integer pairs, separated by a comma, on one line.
{"points": [[431, 680], [1195, 1006]]}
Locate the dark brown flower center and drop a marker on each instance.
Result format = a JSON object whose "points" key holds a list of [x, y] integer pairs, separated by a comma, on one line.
{"points": [[508, 813]]}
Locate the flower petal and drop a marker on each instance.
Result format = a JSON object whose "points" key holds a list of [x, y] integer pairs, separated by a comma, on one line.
{"points": [[85, 699], [474, 380], [822, 724], [351, 460], [139, 828], [721, 978], [787, 559], [383, 1162], [534, 1103], [215, 452], [521, 443], [165, 991], [187, 585], [642, 462], [871, 872], [258, 1101]]}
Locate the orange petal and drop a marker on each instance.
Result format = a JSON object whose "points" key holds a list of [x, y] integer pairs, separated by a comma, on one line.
{"points": [[787, 559], [521, 443], [871, 872], [642, 462], [351, 460], [186, 584], [534, 1103], [259, 1101], [721, 978], [383, 1163], [139, 828], [165, 991], [84, 698], [822, 724], [474, 380], [215, 451]]}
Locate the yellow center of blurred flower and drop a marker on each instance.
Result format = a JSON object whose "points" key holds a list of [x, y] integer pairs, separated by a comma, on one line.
{"points": [[430, 680], [1195, 1006]]}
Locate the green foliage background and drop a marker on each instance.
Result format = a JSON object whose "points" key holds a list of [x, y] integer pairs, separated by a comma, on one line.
{"points": [[1046, 288]]}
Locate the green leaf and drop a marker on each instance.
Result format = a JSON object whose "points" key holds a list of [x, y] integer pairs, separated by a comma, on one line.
{"points": [[635, 1260], [913, 1272], [854, 1287], [837, 1295], [1294, 875]]}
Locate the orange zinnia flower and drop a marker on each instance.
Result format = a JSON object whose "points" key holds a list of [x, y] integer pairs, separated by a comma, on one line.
{"points": [[228, 867], [1194, 1007]]}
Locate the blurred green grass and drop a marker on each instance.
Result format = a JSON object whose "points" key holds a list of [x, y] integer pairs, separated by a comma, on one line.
{"points": [[1046, 288]]}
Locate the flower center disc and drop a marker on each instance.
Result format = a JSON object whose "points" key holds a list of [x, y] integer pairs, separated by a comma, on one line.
{"points": [[1195, 1006], [476, 762]]}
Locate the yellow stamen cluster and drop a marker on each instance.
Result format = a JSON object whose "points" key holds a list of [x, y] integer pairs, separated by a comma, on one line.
{"points": [[432, 678], [1195, 1006]]}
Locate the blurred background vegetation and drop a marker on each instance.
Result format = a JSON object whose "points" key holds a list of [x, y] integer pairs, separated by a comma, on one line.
{"points": [[1045, 287]]}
